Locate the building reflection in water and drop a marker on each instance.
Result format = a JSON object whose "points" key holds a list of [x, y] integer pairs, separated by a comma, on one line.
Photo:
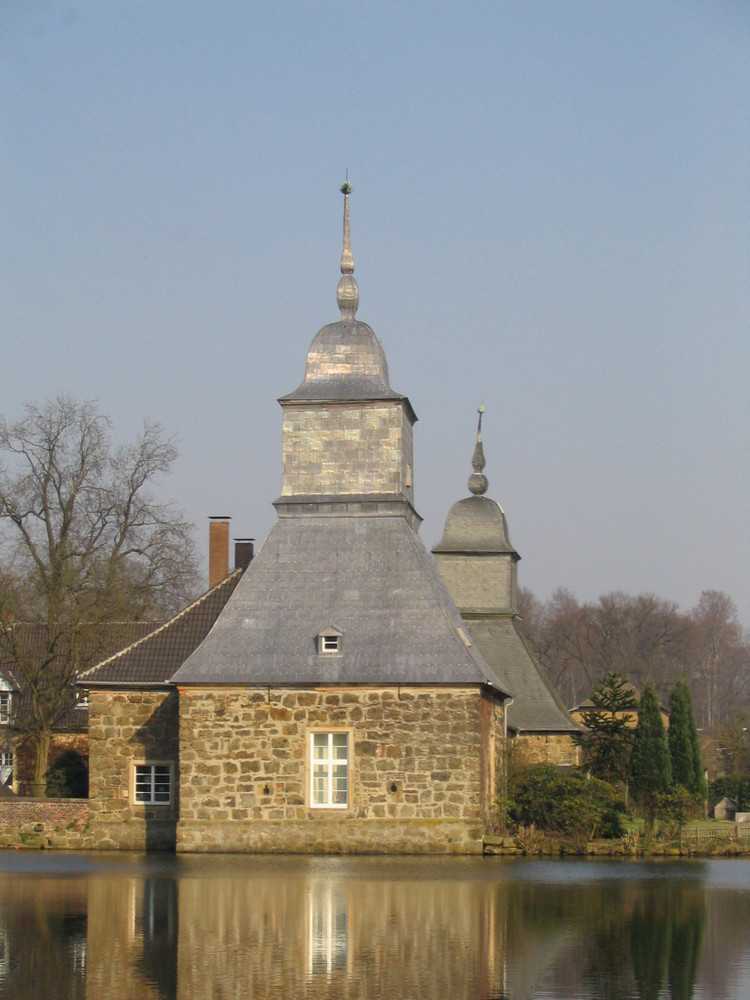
{"points": [[328, 930], [381, 929]]}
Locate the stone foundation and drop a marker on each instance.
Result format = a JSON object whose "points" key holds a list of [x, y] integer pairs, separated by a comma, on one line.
{"points": [[349, 836]]}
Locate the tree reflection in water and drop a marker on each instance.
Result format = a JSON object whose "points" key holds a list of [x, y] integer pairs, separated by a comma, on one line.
{"points": [[373, 929]]}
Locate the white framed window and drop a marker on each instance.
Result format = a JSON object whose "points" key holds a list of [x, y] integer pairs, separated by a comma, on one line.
{"points": [[6, 704], [152, 784], [329, 770]]}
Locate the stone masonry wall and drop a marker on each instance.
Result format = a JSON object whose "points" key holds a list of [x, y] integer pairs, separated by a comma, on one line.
{"points": [[545, 748], [128, 728], [53, 823], [416, 770], [478, 583], [340, 449]]}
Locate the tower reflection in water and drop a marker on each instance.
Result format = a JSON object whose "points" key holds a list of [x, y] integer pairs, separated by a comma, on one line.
{"points": [[380, 929]]}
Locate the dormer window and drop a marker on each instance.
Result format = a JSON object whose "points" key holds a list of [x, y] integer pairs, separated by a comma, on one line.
{"points": [[329, 642]]}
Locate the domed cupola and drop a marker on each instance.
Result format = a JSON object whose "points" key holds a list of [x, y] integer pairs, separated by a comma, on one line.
{"points": [[475, 557]]}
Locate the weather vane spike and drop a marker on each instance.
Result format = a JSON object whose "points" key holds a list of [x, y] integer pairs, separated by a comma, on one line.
{"points": [[347, 293], [346, 187]]}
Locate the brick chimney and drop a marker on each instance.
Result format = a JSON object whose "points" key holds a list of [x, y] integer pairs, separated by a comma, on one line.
{"points": [[218, 549]]}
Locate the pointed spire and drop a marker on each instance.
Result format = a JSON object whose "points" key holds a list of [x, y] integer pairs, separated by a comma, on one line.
{"points": [[347, 293], [477, 481]]}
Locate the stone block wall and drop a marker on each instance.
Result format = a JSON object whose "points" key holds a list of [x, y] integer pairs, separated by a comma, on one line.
{"points": [[421, 771], [545, 748], [479, 584], [344, 449], [128, 728]]}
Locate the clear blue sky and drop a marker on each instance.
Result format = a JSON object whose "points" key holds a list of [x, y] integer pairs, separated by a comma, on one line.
{"points": [[551, 214]]}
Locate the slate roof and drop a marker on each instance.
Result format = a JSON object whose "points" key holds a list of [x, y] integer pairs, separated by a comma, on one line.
{"points": [[368, 577], [536, 706], [153, 659]]}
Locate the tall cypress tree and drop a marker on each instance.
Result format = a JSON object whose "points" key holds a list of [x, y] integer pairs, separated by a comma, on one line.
{"points": [[650, 766], [680, 743], [699, 772], [684, 742]]}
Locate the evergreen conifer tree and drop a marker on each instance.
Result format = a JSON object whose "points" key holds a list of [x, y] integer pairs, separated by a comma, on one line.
{"points": [[680, 742], [699, 773], [608, 739], [650, 766], [684, 743]]}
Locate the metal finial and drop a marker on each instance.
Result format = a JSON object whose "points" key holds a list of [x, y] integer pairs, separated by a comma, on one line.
{"points": [[347, 293], [478, 483]]}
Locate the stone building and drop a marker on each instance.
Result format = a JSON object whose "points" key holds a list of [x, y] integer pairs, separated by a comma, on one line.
{"points": [[330, 697]]}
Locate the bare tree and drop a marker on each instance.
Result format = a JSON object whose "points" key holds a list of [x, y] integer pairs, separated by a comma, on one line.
{"points": [[83, 542], [647, 640], [721, 657]]}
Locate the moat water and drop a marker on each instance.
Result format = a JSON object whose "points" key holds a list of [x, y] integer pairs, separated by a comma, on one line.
{"points": [[132, 927]]}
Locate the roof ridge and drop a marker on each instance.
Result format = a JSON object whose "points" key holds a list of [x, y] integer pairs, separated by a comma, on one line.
{"points": [[166, 625]]}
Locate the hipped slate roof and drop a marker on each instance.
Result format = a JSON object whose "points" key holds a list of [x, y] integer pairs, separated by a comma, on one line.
{"points": [[371, 579], [153, 660], [536, 706]]}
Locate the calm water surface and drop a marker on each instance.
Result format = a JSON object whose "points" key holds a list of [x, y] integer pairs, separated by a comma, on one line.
{"points": [[129, 927]]}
